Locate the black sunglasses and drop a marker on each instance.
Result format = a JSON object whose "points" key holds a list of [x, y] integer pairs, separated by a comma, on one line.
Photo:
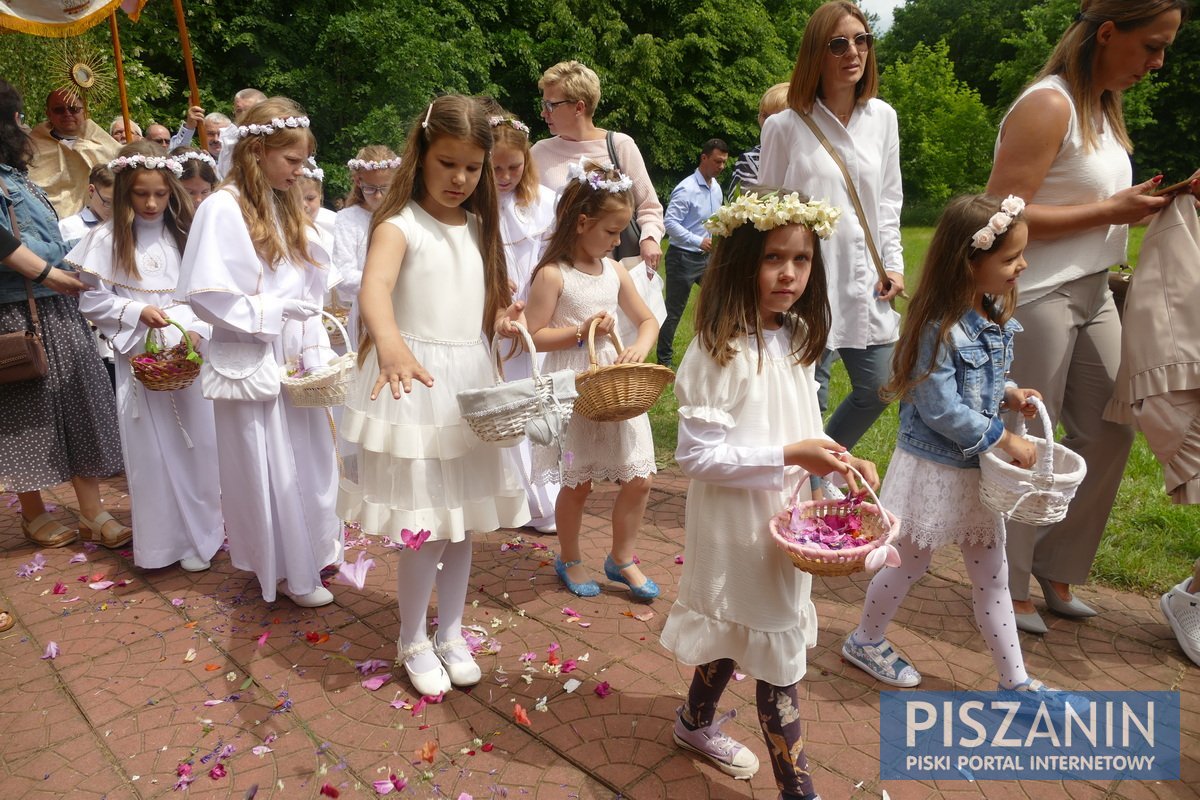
{"points": [[841, 45]]}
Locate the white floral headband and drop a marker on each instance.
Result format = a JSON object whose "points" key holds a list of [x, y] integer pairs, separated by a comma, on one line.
{"points": [[387, 163], [1010, 209], [511, 122], [277, 124], [597, 178], [147, 162], [189, 155], [773, 210], [313, 172]]}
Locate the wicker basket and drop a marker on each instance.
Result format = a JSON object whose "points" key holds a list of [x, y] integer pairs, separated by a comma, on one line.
{"points": [[335, 323], [323, 387], [618, 391], [502, 411], [172, 368], [878, 524], [1039, 496]]}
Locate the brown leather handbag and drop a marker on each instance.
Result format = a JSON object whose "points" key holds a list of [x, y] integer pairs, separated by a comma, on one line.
{"points": [[22, 353]]}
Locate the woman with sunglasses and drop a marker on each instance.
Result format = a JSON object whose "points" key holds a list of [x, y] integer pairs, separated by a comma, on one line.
{"points": [[833, 87], [570, 94]]}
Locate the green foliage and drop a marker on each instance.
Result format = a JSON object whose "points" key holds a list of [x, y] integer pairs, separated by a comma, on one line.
{"points": [[945, 133]]}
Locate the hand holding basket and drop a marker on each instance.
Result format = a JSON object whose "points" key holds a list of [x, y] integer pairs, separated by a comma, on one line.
{"points": [[618, 392], [325, 386], [166, 370]]}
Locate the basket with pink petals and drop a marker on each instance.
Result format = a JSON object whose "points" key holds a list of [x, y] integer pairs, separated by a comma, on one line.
{"points": [[836, 537]]}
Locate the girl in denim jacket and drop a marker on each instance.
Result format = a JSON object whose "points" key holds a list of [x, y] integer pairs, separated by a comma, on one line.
{"points": [[949, 371]]}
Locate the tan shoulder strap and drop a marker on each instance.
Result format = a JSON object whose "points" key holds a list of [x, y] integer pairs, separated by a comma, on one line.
{"points": [[858, 209]]}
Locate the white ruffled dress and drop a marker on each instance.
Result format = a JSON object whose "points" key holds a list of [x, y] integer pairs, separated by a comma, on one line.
{"points": [[420, 465], [740, 597]]}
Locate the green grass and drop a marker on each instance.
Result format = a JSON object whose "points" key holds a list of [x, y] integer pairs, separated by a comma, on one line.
{"points": [[1149, 544]]}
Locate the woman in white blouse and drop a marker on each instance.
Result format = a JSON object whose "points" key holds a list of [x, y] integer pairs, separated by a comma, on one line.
{"points": [[834, 84]]}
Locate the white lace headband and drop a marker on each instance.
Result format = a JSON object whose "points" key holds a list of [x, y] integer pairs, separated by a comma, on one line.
{"points": [[277, 124], [512, 122], [598, 178], [190, 155], [146, 162], [387, 163], [1010, 208]]}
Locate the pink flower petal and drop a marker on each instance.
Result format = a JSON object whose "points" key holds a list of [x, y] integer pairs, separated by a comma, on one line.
{"points": [[372, 665], [51, 651], [102, 585], [603, 689], [78, 558], [263, 639], [373, 684], [569, 612]]}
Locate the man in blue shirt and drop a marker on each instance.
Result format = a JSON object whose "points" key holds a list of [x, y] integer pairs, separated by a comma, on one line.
{"points": [[695, 199]]}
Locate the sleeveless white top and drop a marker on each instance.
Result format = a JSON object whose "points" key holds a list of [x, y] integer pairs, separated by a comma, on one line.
{"points": [[1076, 177]]}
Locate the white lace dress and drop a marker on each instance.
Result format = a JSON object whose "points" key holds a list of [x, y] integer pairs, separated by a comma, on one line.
{"points": [[602, 451], [938, 504]]}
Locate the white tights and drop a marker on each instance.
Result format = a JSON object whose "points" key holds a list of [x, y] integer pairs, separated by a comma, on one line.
{"points": [[416, 575], [987, 568]]}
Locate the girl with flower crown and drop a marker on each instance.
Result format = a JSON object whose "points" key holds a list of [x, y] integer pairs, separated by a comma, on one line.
{"points": [[748, 419], [526, 222], [574, 284], [949, 373], [255, 269], [312, 194], [434, 282], [199, 172], [131, 266]]}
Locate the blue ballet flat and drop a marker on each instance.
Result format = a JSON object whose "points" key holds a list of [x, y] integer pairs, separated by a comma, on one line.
{"points": [[585, 589], [612, 570]]}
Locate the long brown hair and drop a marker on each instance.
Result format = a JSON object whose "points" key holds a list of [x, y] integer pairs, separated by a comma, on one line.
{"points": [[372, 152], [177, 216], [580, 198], [947, 289], [461, 118], [727, 308], [1074, 59], [805, 86], [263, 205]]}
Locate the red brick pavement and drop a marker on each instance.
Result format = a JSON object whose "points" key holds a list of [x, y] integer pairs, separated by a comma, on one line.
{"points": [[170, 668]]}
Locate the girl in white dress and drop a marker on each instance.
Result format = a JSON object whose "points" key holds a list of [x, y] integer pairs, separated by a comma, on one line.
{"points": [[574, 284], [255, 269], [312, 194], [526, 221], [131, 267], [748, 417], [199, 173], [434, 280], [372, 172]]}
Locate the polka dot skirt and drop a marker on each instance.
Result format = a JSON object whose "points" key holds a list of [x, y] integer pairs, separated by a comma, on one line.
{"points": [[63, 425]]}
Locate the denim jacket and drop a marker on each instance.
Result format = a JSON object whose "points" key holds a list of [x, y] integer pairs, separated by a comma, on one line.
{"points": [[954, 415], [39, 232]]}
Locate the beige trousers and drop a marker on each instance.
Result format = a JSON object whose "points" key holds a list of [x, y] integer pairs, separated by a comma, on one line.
{"points": [[1069, 350]]}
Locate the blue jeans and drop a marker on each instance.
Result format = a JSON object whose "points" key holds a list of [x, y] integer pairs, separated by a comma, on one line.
{"points": [[869, 370], [684, 268]]}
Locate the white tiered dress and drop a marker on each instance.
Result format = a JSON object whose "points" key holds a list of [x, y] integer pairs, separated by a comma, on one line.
{"points": [[601, 451], [740, 597], [420, 465]]}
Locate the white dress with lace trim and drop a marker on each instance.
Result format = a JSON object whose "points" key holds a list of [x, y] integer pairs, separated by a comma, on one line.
{"points": [[938, 504]]}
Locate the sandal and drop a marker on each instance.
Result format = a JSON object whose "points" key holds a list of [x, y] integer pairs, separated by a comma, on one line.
{"points": [[105, 530], [6, 621], [46, 531]]}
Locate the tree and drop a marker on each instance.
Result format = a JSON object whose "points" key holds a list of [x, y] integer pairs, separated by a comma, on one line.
{"points": [[945, 134]]}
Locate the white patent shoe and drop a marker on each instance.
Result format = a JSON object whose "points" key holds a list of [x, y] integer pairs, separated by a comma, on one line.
{"points": [[430, 683], [462, 673]]}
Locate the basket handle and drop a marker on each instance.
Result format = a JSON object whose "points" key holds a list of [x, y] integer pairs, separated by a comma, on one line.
{"points": [[887, 524], [1044, 468], [498, 360], [341, 328], [152, 347], [616, 337]]}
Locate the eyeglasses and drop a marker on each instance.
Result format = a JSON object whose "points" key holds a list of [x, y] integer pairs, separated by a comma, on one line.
{"points": [[66, 109], [548, 106], [106, 202], [370, 191], [841, 45]]}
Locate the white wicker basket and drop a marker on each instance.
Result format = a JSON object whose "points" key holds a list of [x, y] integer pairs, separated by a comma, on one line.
{"points": [[1039, 496], [323, 387], [499, 413]]}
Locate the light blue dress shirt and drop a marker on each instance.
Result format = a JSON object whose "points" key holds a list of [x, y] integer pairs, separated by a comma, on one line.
{"points": [[692, 202]]}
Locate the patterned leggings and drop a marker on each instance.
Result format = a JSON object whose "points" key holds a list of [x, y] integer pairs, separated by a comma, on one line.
{"points": [[778, 714]]}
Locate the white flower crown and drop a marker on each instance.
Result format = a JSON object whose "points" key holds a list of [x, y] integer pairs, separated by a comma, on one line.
{"points": [[512, 122], [1010, 209], [277, 124], [773, 210], [147, 162], [313, 172], [190, 155], [387, 163], [597, 178]]}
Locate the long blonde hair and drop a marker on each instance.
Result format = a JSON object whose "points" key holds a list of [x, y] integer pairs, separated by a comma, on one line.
{"points": [[805, 86], [177, 216], [269, 212], [1074, 58], [508, 135]]}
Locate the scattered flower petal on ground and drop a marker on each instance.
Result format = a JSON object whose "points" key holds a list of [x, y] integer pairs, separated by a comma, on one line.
{"points": [[603, 689], [51, 651]]}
